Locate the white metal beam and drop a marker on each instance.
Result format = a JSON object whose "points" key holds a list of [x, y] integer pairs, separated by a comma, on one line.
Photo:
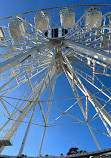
{"points": [[27, 130], [42, 112], [10, 63], [86, 92], [74, 80], [82, 109], [5, 107], [35, 97], [97, 54], [87, 108], [51, 92]]}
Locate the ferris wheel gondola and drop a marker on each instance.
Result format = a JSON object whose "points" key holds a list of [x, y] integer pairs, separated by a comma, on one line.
{"points": [[36, 50]]}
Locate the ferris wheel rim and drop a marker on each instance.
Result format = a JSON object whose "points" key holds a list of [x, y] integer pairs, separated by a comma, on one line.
{"points": [[76, 5], [53, 8]]}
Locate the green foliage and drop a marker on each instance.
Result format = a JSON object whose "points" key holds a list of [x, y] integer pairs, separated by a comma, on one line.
{"points": [[73, 151]]}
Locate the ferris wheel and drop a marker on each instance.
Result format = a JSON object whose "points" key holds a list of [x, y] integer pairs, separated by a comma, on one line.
{"points": [[38, 48]]}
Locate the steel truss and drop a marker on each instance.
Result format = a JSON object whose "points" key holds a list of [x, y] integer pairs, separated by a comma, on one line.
{"points": [[31, 64]]}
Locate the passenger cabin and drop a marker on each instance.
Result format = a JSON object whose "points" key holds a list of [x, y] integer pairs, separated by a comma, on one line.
{"points": [[67, 18], [110, 19], [2, 34], [42, 21], [93, 18], [17, 27]]}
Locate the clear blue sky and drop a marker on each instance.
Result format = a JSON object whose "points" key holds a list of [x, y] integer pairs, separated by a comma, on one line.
{"points": [[15, 6], [57, 141]]}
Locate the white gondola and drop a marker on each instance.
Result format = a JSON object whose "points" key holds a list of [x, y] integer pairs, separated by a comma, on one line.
{"points": [[58, 77], [110, 19], [42, 21], [93, 17], [67, 18], [17, 27], [2, 32]]}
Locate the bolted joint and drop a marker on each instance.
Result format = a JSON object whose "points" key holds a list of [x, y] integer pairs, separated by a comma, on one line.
{"points": [[63, 113]]}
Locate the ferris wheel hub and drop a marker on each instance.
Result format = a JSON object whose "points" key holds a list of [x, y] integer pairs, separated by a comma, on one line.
{"points": [[35, 51], [56, 33]]}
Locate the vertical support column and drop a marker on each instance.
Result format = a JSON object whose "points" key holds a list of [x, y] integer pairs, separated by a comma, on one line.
{"points": [[35, 97], [28, 127], [35, 105], [93, 136], [48, 109], [74, 79], [42, 142], [27, 130], [87, 108]]}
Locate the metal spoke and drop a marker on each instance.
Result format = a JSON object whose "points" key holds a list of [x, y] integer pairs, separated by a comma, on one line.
{"points": [[28, 106], [38, 50], [51, 91], [73, 79]]}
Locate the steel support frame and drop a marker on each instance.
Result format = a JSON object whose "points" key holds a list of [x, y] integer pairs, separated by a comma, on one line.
{"points": [[35, 97], [10, 63], [97, 54], [51, 92], [81, 107], [89, 61], [27, 130], [12, 79], [65, 113], [85, 91], [38, 62], [74, 80]]}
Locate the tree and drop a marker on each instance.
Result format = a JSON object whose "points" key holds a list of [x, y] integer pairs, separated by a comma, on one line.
{"points": [[82, 151], [72, 151]]}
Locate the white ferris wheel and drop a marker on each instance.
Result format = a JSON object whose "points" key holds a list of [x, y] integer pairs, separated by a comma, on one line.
{"points": [[38, 48]]}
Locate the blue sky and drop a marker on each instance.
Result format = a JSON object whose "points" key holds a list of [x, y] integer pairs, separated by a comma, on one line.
{"points": [[56, 141], [9, 7]]}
